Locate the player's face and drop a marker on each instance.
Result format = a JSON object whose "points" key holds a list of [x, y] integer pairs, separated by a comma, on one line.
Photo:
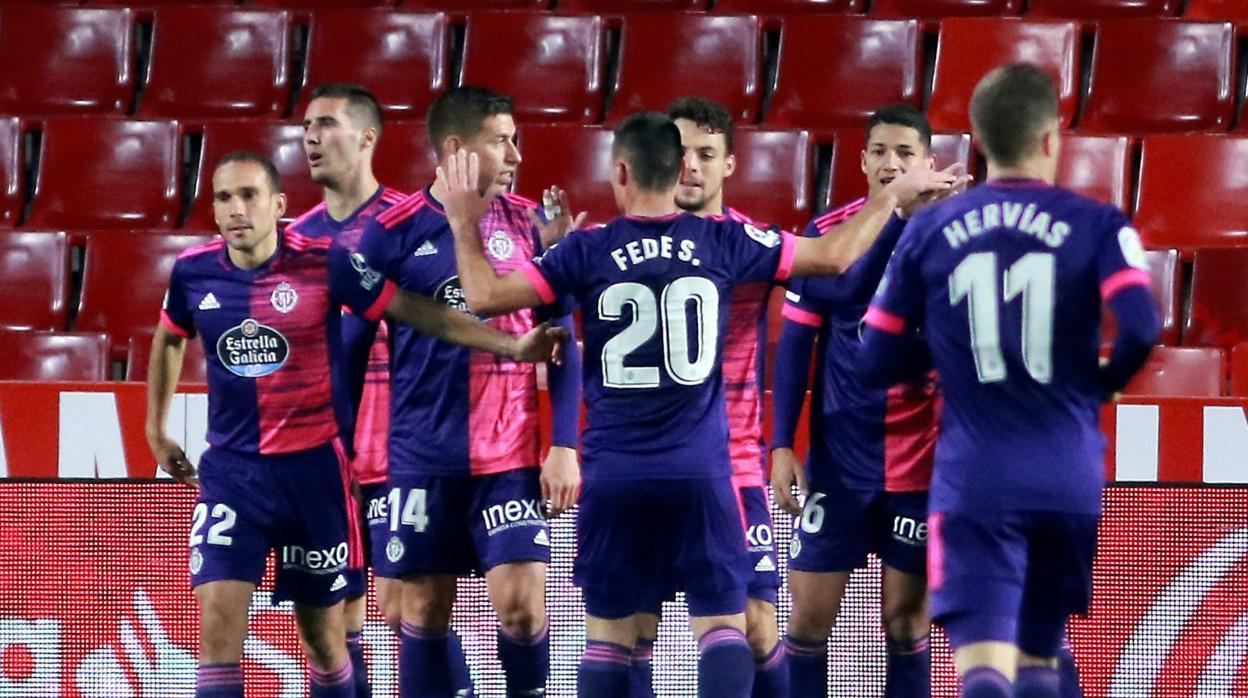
{"points": [[335, 146], [707, 163], [245, 208], [495, 145], [892, 150]]}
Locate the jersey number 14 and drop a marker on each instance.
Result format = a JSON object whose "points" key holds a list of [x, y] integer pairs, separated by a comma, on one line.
{"points": [[1033, 277]]}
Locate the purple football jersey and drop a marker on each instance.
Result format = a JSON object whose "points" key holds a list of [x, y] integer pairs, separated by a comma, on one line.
{"points": [[655, 295], [1006, 283]]}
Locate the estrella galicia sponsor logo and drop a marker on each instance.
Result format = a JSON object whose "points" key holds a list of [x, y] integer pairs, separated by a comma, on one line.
{"points": [[513, 513], [368, 277], [327, 561], [451, 293], [252, 350], [394, 549]]}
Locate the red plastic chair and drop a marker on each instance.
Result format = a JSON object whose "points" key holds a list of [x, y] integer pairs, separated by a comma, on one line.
{"points": [[970, 47], [405, 159], [1217, 10], [780, 8], [1218, 315], [1163, 269], [550, 65], [773, 178], [945, 8], [835, 71], [1098, 167], [462, 5], [53, 356], [1181, 372], [139, 354], [626, 6], [719, 57], [1239, 370], [1185, 205], [575, 158], [215, 62], [12, 164], [281, 141], [847, 179], [57, 60], [35, 269], [1151, 76], [107, 173], [1103, 9]]}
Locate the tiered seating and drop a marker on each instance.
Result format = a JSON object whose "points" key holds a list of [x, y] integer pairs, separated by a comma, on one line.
{"points": [[1218, 315], [402, 57], [1181, 372], [1185, 206], [66, 60], [575, 158], [1098, 167], [621, 6], [12, 186], [1217, 10], [476, 4], [212, 62], [139, 354], [405, 159], [786, 7], [1101, 9], [35, 269], [550, 65], [717, 57], [1157, 77], [847, 179], [53, 356], [931, 9], [1163, 268], [1054, 46], [107, 173], [772, 179], [834, 71], [283, 142]]}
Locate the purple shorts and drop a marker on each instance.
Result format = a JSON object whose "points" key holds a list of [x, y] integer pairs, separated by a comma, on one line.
{"points": [[839, 527], [458, 525], [372, 499], [294, 503], [760, 544], [642, 540]]}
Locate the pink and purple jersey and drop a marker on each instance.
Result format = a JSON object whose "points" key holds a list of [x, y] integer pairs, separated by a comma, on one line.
{"points": [[372, 417], [1006, 282], [861, 438], [271, 336], [655, 295], [456, 411]]}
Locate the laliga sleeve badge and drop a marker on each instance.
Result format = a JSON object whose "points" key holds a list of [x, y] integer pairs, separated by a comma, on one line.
{"points": [[394, 549], [284, 297]]}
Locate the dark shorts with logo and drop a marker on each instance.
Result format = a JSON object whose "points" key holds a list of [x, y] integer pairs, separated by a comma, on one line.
{"points": [[458, 525], [294, 503], [840, 526], [760, 542], [372, 499]]}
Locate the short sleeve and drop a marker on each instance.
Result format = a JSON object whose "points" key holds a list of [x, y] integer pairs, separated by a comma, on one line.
{"points": [[898, 302], [380, 250], [175, 312], [758, 255], [560, 271], [356, 285], [1121, 260], [802, 307]]}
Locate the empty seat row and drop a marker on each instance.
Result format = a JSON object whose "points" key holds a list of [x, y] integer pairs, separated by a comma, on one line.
{"points": [[33, 355], [215, 62]]}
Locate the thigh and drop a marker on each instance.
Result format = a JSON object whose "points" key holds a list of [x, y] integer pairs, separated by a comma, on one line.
{"points": [[615, 550], [314, 539], [976, 564], [232, 521], [424, 525], [901, 532], [834, 533], [760, 543], [708, 563], [507, 521], [1059, 578]]}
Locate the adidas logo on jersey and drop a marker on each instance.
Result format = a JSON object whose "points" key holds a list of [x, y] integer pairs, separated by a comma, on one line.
{"points": [[209, 302], [426, 248], [541, 538], [339, 583], [765, 565]]}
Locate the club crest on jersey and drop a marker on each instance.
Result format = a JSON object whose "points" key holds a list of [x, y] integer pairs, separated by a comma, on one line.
{"points": [[197, 561], [501, 245], [394, 549], [284, 297], [252, 350]]}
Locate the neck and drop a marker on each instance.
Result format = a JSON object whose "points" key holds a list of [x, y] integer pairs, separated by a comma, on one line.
{"points": [[344, 201], [1028, 169], [255, 256], [713, 207], [650, 204]]}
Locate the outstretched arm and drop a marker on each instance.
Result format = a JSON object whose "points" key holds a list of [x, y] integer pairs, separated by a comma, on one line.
{"points": [[427, 316]]}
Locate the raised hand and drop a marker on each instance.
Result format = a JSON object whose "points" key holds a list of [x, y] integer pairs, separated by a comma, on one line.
{"points": [[960, 180], [559, 219], [459, 174]]}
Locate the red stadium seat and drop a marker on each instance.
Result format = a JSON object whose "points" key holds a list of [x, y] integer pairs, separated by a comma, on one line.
{"points": [[1217, 10], [107, 173], [462, 5], [317, 4], [56, 60], [12, 164], [834, 71], [281, 141], [972, 46], [1158, 76], [139, 353], [716, 57], [619, 6], [773, 177], [1101, 9], [1163, 268], [405, 159], [551, 65], [931, 9], [1218, 315], [35, 269], [212, 62], [575, 158], [1185, 197], [1239, 370], [401, 57], [1098, 167], [786, 7], [53, 356], [1181, 372], [124, 278], [847, 179]]}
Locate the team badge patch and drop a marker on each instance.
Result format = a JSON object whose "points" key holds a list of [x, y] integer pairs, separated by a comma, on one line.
{"points": [[284, 297], [394, 549], [197, 561], [795, 547], [252, 350], [501, 245], [766, 238], [1132, 248]]}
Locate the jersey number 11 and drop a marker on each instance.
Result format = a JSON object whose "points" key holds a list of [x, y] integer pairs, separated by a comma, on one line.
{"points": [[1032, 277]]}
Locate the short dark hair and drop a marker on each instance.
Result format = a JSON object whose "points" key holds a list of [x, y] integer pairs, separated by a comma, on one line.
{"points": [[461, 111], [361, 103], [650, 142], [270, 170], [902, 115], [705, 113], [1010, 109]]}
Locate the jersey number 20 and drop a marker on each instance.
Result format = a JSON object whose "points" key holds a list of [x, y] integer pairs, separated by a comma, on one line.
{"points": [[1032, 277], [673, 313]]}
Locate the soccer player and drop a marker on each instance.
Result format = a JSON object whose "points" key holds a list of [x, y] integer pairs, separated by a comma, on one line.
{"points": [[342, 127], [267, 305], [871, 449], [1006, 284], [706, 136], [657, 512], [465, 491]]}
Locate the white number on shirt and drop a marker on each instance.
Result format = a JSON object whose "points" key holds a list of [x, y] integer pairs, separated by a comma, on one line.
{"points": [[413, 512], [1033, 277], [677, 296], [216, 533]]}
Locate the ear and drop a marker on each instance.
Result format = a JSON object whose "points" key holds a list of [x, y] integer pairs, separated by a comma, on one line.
{"points": [[730, 165], [279, 205], [369, 138], [862, 161], [1050, 142], [451, 145], [620, 174]]}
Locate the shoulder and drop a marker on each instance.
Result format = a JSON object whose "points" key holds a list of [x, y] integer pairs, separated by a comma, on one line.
{"points": [[403, 212], [199, 252], [390, 196], [821, 224], [306, 218], [517, 201]]}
